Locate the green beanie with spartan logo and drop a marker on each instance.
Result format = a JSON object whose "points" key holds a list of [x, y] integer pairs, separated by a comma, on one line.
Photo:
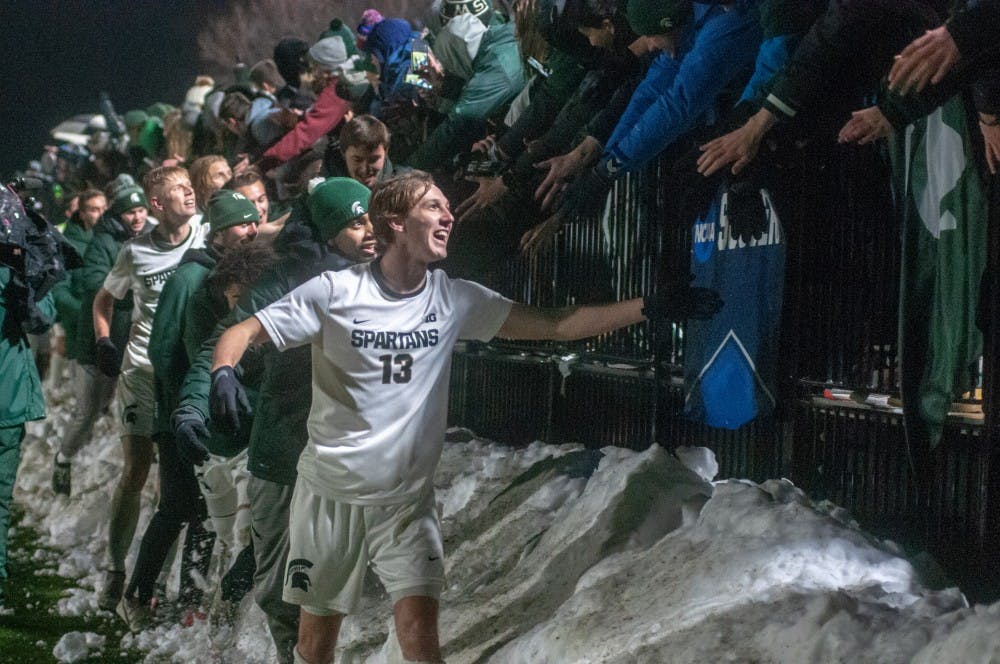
{"points": [[335, 202], [481, 9], [125, 196], [656, 17], [228, 208]]}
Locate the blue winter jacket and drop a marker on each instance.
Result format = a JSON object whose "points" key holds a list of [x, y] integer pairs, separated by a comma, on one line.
{"points": [[680, 91]]}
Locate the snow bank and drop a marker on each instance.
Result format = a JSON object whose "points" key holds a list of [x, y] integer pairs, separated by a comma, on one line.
{"points": [[560, 554]]}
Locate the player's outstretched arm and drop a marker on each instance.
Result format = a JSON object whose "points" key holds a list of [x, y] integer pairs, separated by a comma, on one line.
{"points": [[569, 323], [675, 302]]}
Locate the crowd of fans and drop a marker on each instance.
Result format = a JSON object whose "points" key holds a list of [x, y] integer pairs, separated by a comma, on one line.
{"points": [[191, 218]]}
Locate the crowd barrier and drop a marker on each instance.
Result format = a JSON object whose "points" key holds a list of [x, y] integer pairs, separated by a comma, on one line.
{"points": [[839, 329]]}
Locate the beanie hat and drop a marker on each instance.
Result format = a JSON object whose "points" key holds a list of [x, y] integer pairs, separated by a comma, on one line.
{"points": [[338, 29], [159, 109], [481, 9], [288, 56], [330, 53], [228, 208], [125, 195], [135, 118], [369, 19], [335, 202], [656, 17]]}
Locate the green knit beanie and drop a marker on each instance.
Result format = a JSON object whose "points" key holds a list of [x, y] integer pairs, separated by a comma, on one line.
{"points": [[656, 17], [128, 198], [135, 118], [338, 29], [228, 208], [335, 202]]}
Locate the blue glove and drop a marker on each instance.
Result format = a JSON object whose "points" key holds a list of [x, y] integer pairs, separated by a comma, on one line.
{"points": [[227, 400], [108, 359], [189, 432]]}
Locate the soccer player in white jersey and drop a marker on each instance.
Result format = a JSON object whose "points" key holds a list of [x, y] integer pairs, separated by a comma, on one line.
{"points": [[143, 265], [382, 336]]}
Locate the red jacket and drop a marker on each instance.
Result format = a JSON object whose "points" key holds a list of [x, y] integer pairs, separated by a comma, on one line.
{"points": [[324, 115]]}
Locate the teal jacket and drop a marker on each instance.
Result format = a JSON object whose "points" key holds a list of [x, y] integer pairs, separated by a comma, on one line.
{"points": [[21, 397], [497, 77], [66, 293]]}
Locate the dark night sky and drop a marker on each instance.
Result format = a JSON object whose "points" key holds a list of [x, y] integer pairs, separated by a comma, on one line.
{"points": [[58, 55]]}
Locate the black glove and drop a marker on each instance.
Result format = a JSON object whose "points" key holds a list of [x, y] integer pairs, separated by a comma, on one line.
{"points": [[227, 400], [587, 193], [189, 432], [747, 215], [679, 302], [108, 359]]}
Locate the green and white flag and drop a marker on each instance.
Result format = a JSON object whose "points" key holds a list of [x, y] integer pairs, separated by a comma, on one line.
{"points": [[944, 208]]}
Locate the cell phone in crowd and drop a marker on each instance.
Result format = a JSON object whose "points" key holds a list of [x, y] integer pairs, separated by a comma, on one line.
{"points": [[418, 55], [420, 82], [539, 67]]}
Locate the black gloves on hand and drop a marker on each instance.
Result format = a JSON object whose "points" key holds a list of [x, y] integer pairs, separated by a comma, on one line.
{"points": [[227, 400], [681, 301], [189, 432], [108, 359], [747, 216]]}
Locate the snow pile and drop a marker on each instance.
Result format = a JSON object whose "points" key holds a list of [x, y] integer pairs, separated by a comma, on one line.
{"points": [[560, 554], [78, 646]]}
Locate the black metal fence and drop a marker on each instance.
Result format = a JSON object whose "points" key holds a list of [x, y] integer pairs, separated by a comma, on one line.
{"points": [[839, 329]]}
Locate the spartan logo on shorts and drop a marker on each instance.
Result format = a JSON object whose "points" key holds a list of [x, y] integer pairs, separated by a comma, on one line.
{"points": [[298, 574], [129, 415]]}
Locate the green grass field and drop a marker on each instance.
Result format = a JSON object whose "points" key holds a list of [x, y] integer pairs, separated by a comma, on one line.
{"points": [[33, 590]]}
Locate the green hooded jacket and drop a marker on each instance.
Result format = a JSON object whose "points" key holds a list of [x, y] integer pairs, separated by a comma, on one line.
{"points": [[497, 76]]}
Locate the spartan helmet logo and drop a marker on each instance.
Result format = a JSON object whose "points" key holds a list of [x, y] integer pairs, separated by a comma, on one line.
{"points": [[238, 196], [298, 574], [134, 197], [357, 209], [667, 22]]}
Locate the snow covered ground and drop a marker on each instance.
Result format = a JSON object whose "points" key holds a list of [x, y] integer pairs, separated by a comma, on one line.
{"points": [[559, 554]]}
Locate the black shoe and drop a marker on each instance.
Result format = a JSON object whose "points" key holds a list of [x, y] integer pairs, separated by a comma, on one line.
{"points": [[61, 472]]}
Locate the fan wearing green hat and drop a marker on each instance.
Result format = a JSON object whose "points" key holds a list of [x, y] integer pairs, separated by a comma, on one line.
{"points": [[232, 220], [329, 230]]}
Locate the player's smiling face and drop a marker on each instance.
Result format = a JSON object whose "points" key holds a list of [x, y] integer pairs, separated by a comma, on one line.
{"points": [[428, 227]]}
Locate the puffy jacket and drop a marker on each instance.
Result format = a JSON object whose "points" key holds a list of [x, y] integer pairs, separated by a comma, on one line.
{"points": [[679, 92]]}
